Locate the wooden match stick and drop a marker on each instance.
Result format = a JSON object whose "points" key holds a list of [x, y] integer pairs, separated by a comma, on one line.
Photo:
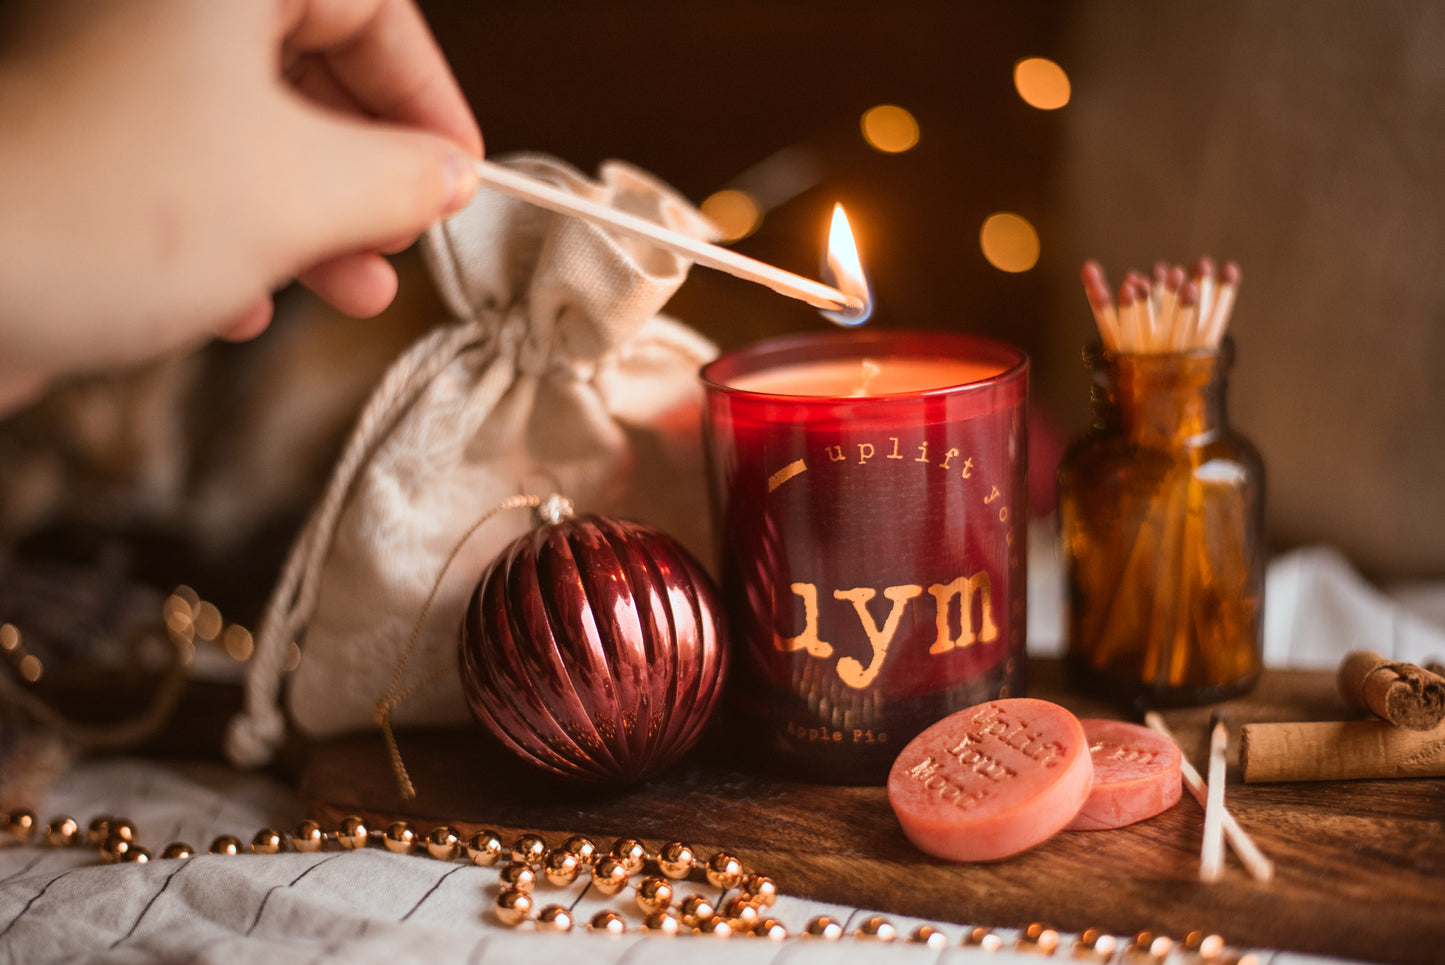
{"points": [[1204, 279], [1212, 329], [1169, 299], [1096, 289], [1259, 867], [509, 182], [1211, 850]]}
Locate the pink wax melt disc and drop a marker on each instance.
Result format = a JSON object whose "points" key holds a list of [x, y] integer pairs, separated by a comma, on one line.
{"points": [[1136, 775], [992, 780]]}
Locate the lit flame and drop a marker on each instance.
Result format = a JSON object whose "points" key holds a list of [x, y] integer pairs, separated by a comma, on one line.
{"points": [[844, 271]]}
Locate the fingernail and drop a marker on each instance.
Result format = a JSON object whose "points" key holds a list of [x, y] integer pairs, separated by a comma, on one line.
{"points": [[462, 181]]}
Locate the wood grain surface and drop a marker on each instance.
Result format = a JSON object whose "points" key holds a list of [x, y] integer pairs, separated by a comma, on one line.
{"points": [[1360, 865]]}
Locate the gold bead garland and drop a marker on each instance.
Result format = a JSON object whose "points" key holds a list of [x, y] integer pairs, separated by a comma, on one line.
{"points": [[696, 909], [443, 844], [399, 838], [665, 910], [530, 850], [517, 877], [930, 936], [610, 875], [561, 867]]}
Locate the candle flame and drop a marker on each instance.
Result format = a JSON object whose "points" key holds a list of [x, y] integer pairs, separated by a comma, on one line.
{"points": [[844, 270]]}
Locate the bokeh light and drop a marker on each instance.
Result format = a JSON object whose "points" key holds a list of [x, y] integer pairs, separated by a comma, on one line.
{"points": [[238, 642], [889, 128], [1009, 242], [207, 620], [734, 212], [1042, 83]]}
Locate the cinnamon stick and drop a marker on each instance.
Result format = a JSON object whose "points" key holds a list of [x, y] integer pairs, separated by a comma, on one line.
{"points": [[1339, 751], [1401, 693]]}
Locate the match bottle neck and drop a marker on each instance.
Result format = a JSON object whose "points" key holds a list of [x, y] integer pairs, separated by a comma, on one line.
{"points": [[1161, 399]]}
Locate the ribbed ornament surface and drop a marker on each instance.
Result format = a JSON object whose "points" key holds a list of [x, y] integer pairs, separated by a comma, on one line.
{"points": [[594, 648]]}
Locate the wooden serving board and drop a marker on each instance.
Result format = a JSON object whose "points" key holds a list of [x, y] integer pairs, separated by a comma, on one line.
{"points": [[1360, 865]]}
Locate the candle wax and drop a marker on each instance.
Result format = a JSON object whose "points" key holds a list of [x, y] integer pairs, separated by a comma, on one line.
{"points": [[882, 375]]}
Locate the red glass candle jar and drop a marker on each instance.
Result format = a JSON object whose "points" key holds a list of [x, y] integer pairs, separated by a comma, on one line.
{"points": [[869, 495]]}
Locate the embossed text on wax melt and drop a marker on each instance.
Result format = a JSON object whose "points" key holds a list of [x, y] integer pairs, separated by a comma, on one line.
{"points": [[1124, 753], [991, 780], [929, 773], [993, 735], [991, 721]]}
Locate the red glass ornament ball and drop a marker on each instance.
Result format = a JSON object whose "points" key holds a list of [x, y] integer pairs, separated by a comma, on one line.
{"points": [[595, 649]]}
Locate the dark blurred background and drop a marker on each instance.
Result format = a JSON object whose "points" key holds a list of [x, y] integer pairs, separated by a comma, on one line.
{"points": [[700, 94], [1302, 139]]}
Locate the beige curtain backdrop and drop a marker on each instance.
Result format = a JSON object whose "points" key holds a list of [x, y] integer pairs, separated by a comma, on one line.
{"points": [[1306, 140]]}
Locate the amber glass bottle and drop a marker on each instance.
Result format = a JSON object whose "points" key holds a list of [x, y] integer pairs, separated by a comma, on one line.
{"points": [[1161, 509]]}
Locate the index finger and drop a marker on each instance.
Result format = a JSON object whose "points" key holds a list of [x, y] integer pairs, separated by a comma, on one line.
{"points": [[382, 55]]}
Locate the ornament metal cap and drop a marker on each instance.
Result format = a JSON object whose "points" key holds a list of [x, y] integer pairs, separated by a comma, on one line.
{"points": [[554, 509]]}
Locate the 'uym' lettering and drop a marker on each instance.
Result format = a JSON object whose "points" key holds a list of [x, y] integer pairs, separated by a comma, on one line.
{"points": [[807, 640], [851, 671], [964, 589]]}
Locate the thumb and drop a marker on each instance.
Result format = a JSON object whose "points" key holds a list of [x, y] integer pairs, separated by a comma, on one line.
{"points": [[360, 185]]}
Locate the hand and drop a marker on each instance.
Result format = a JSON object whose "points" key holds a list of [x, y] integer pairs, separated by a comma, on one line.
{"points": [[167, 164]]}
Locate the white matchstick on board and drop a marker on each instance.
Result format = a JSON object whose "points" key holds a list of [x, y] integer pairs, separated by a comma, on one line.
{"points": [[1259, 866]]}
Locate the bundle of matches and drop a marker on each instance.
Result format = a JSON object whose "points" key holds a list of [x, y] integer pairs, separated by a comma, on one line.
{"points": [[1174, 311]]}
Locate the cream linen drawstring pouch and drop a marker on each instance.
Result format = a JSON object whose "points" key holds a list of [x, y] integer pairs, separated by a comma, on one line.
{"points": [[557, 374]]}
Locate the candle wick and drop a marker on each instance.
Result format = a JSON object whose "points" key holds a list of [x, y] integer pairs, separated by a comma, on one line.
{"points": [[867, 371]]}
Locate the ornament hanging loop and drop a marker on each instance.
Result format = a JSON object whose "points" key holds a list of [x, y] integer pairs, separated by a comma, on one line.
{"points": [[554, 508]]}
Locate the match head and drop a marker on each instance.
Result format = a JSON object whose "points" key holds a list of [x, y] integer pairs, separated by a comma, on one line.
{"points": [[1204, 268], [850, 312], [1138, 287], [1229, 275], [1092, 273], [1098, 293], [1174, 279]]}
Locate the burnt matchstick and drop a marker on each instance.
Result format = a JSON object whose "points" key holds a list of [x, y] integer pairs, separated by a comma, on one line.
{"points": [[844, 308], [1172, 310]]}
